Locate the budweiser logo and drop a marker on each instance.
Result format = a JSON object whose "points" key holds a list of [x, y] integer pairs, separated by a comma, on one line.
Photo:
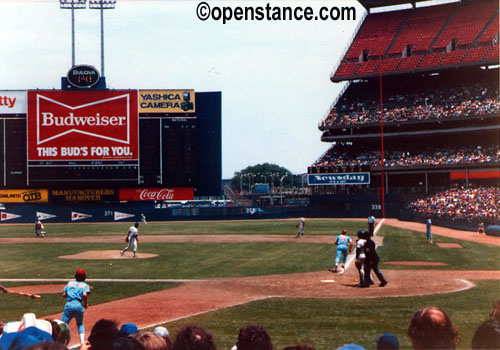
{"points": [[107, 119], [157, 195]]}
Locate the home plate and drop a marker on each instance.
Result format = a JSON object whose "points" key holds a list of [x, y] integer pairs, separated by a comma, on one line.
{"points": [[327, 281]]}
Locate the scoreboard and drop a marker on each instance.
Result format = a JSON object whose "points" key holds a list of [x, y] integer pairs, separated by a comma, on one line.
{"points": [[96, 138]]}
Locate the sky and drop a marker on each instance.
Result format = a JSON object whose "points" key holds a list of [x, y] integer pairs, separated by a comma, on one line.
{"points": [[273, 75]]}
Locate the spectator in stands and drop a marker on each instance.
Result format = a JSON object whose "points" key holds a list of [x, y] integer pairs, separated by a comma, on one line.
{"points": [[152, 341], [387, 341], [487, 335], [194, 338], [431, 328], [103, 333], [125, 343], [254, 337], [163, 332]]}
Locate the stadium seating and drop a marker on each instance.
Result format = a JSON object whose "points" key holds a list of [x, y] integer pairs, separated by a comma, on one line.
{"points": [[467, 23], [422, 27], [463, 29], [470, 204], [360, 156], [453, 57], [377, 32]]}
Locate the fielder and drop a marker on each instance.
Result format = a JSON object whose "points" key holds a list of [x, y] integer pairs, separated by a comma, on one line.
{"points": [[143, 219], [428, 227], [132, 239], [344, 244], [39, 228], [371, 224], [301, 225], [76, 293]]}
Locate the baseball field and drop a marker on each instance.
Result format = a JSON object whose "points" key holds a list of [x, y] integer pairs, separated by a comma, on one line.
{"points": [[224, 275]]}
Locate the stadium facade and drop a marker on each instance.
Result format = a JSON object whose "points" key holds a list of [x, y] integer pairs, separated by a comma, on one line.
{"points": [[432, 71]]}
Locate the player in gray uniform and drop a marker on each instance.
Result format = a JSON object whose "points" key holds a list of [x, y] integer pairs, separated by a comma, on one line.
{"points": [[132, 239], [360, 258]]}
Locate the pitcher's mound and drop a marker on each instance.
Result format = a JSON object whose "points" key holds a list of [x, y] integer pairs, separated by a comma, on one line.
{"points": [[107, 254], [415, 263]]}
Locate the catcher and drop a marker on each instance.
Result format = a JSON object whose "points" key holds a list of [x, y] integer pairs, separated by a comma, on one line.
{"points": [[132, 239]]}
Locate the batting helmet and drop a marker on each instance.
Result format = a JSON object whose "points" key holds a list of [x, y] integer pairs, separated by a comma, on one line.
{"points": [[136, 224], [360, 234], [344, 232], [80, 275]]}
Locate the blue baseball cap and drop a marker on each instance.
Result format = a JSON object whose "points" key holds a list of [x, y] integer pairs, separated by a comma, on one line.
{"points": [[351, 347], [128, 329], [387, 341], [20, 340]]}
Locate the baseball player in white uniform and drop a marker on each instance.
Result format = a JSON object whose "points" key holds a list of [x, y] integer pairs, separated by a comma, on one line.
{"points": [[132, 239], [301, 226]]}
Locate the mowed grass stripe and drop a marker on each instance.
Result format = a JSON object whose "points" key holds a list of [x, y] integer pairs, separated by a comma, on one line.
{"points": [[175, 260], [266, 227]]}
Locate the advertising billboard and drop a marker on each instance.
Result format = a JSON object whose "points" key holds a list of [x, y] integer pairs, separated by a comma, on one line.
{"points": [[156, 194], [83, 195], [82, 125], [24, 196], [338, 179], [167, 101], [13, 102]]}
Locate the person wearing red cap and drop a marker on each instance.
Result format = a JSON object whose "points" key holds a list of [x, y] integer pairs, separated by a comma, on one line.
{"points": [[344, 244], [76, 293]]}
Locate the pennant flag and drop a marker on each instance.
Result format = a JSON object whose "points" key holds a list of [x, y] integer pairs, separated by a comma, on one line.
{"points": [[7, 216], [79, 216], [44, 216], [121, 216]]}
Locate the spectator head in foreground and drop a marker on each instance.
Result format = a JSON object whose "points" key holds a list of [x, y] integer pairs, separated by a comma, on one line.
{"points": [[128, 329], [194, 338], [103, 333], [387, 341], [126, 343], [152, 341], [254, 337], [487, 336], [431, 328]]}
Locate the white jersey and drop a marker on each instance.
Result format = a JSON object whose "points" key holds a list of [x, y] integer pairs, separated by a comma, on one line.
{"points": [[132, 233], [302, 222]]}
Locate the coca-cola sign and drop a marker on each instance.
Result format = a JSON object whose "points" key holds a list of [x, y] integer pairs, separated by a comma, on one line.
{"points": [[82, 125], [156, 194]]}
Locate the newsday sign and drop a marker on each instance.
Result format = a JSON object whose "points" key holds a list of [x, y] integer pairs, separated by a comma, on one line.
{"points": [[82, 125], [338, 179]]}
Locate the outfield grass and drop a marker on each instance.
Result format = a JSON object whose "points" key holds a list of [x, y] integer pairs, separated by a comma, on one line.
{"points": [[328, 324], [406, 245], [13, 307], [325, 323], [247, 227], [175, 260]]}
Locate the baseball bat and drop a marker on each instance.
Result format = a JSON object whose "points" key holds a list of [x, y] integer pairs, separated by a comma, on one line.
{"points": [[32, 296]]}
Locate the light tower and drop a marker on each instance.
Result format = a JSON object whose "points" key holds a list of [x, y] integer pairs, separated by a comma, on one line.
{"points": [[72, 5], [102, 5]]}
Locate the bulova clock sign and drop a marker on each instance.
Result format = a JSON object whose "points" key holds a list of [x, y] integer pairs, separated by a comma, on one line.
{"points": [[83, 76]]}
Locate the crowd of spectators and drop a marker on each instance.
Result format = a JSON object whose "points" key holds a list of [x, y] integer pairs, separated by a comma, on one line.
{"points": [[479, 204], [338, 156], [429, 328], [480, 99]]}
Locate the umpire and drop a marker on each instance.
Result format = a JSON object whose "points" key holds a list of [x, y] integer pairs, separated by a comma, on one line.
{"points": [[371, 262]]}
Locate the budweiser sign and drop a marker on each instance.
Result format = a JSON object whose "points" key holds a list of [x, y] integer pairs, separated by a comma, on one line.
{"points": [[82, 125], [156, 194]]}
